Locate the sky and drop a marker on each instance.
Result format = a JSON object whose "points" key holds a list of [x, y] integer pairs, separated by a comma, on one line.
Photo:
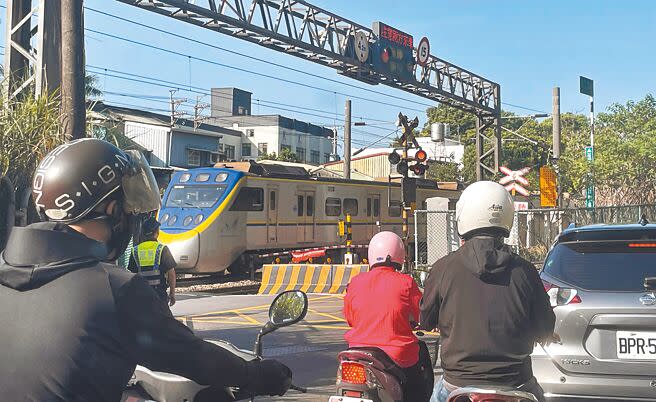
{"points": [[528, 47]]}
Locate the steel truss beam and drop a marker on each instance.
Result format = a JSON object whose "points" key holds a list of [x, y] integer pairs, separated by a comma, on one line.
{"points": [[33, 51], [303, 30]]}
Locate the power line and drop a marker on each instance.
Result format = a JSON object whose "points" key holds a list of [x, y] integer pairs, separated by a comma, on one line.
{"points": [[269, 62]]}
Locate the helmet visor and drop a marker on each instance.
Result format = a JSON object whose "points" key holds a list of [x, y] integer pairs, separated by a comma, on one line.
{"points": [[139, 186]]}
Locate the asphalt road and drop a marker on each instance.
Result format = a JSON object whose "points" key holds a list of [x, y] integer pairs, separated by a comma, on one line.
{"points": [[309, 348]]}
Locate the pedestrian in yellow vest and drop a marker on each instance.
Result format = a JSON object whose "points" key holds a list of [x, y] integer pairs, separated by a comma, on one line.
{"points": [[154, 262]]}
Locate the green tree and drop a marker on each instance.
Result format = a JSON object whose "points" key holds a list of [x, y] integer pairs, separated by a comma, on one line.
{"points": [[91, 87], [286, 155]]}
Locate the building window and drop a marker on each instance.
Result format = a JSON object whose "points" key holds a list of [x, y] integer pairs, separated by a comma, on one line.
{"points": [[229, 151], [250, 132], [326, 158], [262, 148], [214, 157], [241, 110], [193, 157], [350, 206], [300, 154], [333, 206], [314, 156], [249, 199], [246, 149]]}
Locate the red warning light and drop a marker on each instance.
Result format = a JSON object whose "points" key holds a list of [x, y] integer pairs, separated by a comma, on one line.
{"points": [[385, 55], [421, 155]]}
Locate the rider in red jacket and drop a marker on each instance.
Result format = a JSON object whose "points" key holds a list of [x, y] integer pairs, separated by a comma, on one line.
{"points": [[379, 306]]}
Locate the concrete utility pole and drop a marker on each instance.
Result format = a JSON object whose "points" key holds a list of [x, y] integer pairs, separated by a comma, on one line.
{"points": [[555, 117], [72, 89], [347, 139]]}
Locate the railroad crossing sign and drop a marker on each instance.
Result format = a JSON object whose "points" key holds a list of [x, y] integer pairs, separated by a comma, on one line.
{"points": [[423, 51], [515, 180]]}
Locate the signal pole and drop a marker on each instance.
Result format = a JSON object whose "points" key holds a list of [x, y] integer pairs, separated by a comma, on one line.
{"points": [[407, 199], [73, 105], [347, 139]]}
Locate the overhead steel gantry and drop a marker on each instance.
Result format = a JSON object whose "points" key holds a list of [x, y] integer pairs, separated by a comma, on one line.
{"points": [[303, 30], [290, 26]]}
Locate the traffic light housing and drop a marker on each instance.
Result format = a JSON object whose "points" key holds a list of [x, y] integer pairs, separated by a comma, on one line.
{"points": [[418, 169], [394, 158], [421, 155], [402, 167]]}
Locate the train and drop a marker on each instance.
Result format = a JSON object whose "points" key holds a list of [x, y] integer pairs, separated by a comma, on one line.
{"points": [[237, 218]]}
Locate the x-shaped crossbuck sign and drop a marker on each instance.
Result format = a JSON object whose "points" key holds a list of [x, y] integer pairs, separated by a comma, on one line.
{"points": [[514, 179]]}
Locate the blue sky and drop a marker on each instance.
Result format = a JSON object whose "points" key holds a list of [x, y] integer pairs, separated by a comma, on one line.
{"points": [[527, 47]]}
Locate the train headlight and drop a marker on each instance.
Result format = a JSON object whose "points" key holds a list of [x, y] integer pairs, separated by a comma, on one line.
{"points": [[198, 219], [173, 220], [187, 220], [164, 218]]}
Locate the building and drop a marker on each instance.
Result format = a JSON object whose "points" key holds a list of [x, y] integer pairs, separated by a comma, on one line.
{"points": [[265, 134], [179, 146]]}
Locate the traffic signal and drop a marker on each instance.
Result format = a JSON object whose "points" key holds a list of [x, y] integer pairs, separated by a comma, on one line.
{"points": [[421, 155], [418, 169], [394, 158], [402, 167]]}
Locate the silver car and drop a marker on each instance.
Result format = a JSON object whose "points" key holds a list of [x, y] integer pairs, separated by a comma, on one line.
{"points": [[601, 282]]}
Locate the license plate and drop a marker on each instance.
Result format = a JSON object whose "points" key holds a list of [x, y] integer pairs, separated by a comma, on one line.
{"points": [[347, 399], [636, 345]]}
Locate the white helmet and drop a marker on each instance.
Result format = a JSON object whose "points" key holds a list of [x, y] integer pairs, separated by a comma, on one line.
{"points": [[484, 204]]}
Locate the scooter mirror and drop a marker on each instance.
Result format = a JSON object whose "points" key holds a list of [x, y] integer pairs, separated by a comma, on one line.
{"points": [[288, 308]]}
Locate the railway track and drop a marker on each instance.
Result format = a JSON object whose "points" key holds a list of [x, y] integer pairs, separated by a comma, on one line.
{"points": [[215, 284]]}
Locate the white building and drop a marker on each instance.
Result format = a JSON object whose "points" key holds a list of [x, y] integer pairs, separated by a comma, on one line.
{"points": [[266, 134]]}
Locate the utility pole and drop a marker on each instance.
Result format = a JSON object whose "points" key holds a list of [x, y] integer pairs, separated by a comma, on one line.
{"points": [[555, 118], [174, 107], [73, 106], [198, 108], [587, 88], [333, 156], [347, 139]]}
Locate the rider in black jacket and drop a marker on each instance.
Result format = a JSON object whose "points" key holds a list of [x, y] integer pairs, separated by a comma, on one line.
{"points": [[74, 327], [488, 303]]}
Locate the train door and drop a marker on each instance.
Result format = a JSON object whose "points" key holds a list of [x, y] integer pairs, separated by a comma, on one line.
{"points": [[373, 215], [272, 214], [305, 214]]}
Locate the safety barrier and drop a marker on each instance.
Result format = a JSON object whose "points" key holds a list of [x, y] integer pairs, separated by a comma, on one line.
{"points": [[309, 278]]}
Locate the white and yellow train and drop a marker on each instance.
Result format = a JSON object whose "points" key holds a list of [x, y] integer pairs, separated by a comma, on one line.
{"points": [[215, 219]]}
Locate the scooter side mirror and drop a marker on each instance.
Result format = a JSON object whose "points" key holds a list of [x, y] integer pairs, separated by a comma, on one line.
{"points": [[286, 309]]}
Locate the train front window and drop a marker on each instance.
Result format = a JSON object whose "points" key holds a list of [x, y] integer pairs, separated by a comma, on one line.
{"points": [[195, 196]]}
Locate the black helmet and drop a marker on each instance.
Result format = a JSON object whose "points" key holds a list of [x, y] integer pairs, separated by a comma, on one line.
{"points": [[77, 176], [149, 226]]}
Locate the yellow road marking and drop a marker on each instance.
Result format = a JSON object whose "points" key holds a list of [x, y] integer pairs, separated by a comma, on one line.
{"points": [[334, 317], [251, 319]]}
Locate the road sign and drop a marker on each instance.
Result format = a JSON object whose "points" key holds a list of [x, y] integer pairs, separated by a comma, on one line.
{"points": [[423, 51], [590, 197], [586, 86], [515, 180], [589, 153], [361, 46], [548, 190]]}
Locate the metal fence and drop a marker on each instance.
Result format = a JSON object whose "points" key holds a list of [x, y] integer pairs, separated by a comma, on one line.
{"points": [[533, 231]]}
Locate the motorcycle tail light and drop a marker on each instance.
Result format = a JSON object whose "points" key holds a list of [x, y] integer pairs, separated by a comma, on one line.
{"points": [[353, 373], [561, 296]]}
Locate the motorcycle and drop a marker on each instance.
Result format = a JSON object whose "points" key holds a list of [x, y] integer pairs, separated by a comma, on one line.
{"points": [[146, 385], [369, 375], [471, 394]]}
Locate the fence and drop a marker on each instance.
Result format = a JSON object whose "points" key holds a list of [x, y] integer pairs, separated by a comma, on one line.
{"points": [[533, 232]]}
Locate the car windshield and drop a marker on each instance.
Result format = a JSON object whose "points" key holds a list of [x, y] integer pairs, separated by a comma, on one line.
{"points": [[602, 266], [195, 196]]}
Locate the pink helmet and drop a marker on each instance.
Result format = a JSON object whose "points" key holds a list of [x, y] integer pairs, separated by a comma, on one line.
{"points": [[386, 248]]}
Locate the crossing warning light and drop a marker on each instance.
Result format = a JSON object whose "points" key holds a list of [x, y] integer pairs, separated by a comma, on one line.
{"points": [[418, 169], [394, 158], [421, 155], [402, 167]]}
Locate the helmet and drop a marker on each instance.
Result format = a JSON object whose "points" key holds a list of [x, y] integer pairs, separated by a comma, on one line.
{"points": [[76, 177], [386, 248], [150, 226], [484, 205]]}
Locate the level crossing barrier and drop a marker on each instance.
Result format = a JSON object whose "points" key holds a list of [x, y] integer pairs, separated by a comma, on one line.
{"points": [[309, 278]]}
